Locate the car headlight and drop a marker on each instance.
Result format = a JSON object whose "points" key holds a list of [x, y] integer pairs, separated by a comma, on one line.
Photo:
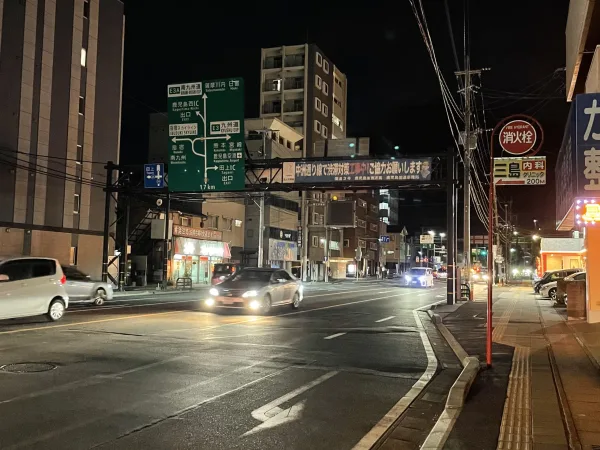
{"points": [[422, 278], [485, 277], [209, 302], [250, 294], [214, 292], [254, 304], [475, 276], [407, 278]]}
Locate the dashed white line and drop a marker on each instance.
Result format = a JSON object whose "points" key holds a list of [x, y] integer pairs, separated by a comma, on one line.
{"points": [[384, 319], [333, 336]]}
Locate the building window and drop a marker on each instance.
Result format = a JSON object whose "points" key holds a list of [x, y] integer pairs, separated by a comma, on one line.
{"points": [[76, 204], [325, 110], [227, 224], [81, 105], [325, 66], [337, 101], [319, 59], [362, 203], [317, 126], [373, 227], [373, 245], [325, 88], [374, 208], [346, 243], [318, 81], [315, 218], [361, 223], [315, 241], [79, 157], [281, 140], [185, 221], [289, 145], [362, 244], [318, 104], [212, 222], [86, 9], [324, 131], [337, 122], [83, 57], [237, 223]]}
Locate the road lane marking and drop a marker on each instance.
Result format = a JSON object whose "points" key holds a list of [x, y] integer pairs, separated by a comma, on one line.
{"points": [[271, 415], [371, 438], [384, 319], [333, 336]]}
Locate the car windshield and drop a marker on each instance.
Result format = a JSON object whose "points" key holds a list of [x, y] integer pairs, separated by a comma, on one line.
{"points": [[252, 275], [417, 271], [223, 269]]}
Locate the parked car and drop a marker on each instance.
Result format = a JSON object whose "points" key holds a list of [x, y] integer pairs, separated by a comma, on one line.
{"points": [[554, 275], [222, 271], [32, 287], [257, 289], [550, 289], [419, 277], [82, 289]]}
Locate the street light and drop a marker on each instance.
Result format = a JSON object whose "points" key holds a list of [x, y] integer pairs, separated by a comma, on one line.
{"points": [[431, 232], [442, 235], [512, 250], [396, 147], [515, 232], [535, 237]]}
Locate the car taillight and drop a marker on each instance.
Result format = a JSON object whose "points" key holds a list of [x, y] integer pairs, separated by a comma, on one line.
{"points": [[63, 280]]}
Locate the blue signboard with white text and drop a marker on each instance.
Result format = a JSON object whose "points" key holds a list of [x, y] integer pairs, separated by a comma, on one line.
{"points": [[384, 239], [154, 176]]}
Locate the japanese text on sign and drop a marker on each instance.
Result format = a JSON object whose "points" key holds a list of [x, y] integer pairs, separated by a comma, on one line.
{"points": [[520, 171], [403, 169], [517, 137], [592, 154]]}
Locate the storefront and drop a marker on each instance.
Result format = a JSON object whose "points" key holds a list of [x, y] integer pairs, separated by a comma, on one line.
{"points": [[195, 252], [578, 189], [562, 253]]}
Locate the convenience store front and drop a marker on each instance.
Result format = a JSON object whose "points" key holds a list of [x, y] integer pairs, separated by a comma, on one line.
{"points": [[195, 258]]}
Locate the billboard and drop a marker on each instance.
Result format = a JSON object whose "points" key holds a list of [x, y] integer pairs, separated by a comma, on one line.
{"points": [[409, 169], [341, 214]]}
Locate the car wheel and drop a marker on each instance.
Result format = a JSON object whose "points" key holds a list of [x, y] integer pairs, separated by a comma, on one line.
{"points": [[296, 301], [56, 310], [100, 297], [552, 294], [266, 305]]}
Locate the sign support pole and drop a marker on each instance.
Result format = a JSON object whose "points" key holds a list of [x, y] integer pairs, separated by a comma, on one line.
{"points": [[109, 171], [166, 242], [450, 221]]}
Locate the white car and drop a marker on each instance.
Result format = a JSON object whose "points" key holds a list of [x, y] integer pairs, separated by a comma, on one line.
{"points": [[32, 287], [419, 277], [550, 289], [257, 289]]}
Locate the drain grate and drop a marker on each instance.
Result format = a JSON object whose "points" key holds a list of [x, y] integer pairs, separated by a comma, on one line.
{"points": [[28, 367]]}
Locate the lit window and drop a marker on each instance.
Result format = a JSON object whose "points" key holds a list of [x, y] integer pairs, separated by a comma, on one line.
{"points": [[237, 223], [83, 57], [317, 103], [73, 256], [325, 66], [325, 88], [325, 110], [318, 81], [324, 131], [317, 126], [319, 60], [185, 221], [76, 204]]}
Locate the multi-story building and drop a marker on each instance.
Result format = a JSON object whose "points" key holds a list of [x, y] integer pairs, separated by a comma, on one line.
{"points": [[388, 206], [267, 139], [304, 89], [60, 103]]}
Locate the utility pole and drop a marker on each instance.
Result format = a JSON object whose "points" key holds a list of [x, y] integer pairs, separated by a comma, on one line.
{"points": [[469, 144], [261, 205], [326, 249]]}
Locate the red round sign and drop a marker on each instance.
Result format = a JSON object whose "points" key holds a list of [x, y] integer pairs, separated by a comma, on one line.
{"points": [[518, 137]]}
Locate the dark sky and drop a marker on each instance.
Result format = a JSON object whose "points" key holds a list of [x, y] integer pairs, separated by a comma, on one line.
{"points": [[392, 88]]}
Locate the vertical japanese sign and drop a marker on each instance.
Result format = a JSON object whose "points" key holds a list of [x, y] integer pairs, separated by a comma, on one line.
{"points": [[206, 136], [587, 137]]}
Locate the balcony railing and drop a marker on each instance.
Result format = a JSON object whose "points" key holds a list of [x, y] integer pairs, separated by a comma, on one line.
{"points": [[294, 84], [271, 108], [296, 107], [294, 60]]}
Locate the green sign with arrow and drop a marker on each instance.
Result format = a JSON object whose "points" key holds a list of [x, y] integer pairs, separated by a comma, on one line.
{"points": [[206, 136]]}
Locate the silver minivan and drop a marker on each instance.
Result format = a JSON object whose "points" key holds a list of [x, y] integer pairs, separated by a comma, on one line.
{"points": [[32, 286]]}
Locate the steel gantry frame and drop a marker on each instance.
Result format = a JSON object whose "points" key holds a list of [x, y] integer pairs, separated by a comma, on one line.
{"points": [[267, 176]]}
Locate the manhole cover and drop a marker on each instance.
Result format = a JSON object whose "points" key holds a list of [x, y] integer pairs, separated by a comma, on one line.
{"points": [[28, 367]]}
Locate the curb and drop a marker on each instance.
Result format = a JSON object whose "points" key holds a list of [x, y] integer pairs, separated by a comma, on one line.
{"points": [[146, 293], [458, 392]]}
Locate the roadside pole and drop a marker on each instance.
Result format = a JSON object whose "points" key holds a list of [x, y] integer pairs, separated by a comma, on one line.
{"points": [[450, 221], [326, 247], [166, 242], [108, 195]]}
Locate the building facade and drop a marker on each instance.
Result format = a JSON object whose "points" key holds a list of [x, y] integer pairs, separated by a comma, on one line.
{"points": [[60, 102], [305, 90]]}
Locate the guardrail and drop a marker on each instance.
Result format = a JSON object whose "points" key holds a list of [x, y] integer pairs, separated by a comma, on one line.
{"points": [[183, 283]]}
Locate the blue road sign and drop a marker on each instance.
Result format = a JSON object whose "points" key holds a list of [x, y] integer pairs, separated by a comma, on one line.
{"points": [[154, 175], [384, 239]]}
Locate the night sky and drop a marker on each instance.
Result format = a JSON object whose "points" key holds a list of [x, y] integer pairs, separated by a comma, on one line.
{"points": [[392, 89]]}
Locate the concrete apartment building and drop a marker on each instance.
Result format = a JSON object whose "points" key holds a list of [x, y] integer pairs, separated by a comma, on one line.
{"points": [[304, 89], [280, 238], [60, 102]]}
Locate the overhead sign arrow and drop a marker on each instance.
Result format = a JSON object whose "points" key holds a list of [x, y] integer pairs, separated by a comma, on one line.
{"points": [[271, 415]]}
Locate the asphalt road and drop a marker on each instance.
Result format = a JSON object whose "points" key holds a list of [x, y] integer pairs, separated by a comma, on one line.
{"points": [[161, 372]]}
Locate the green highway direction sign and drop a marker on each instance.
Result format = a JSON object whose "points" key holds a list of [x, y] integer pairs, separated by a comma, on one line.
{"points": [[206, 136]]}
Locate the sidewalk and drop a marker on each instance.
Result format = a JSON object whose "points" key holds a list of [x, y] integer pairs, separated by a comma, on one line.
{"points": [[543, 391], [150, 290]]}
